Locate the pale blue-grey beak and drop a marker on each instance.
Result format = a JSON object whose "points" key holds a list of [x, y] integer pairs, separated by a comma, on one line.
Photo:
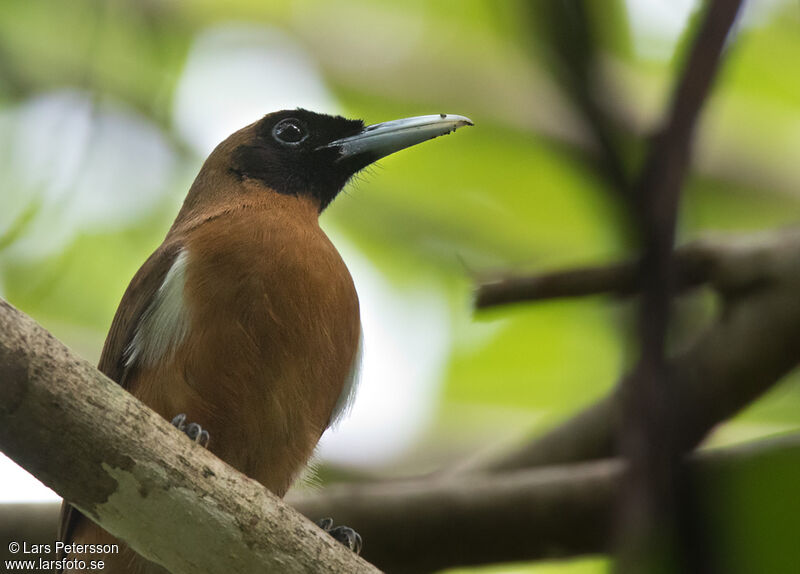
{"points": [[379, 140]]}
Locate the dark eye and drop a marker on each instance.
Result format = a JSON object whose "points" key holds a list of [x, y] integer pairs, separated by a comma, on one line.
{"points": [[290, 131]]}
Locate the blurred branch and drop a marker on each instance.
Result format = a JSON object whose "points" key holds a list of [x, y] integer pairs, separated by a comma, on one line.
{"points": [[566, 36], [657, 527], [692, 265], [424, 525], [134, 474], [741, 355], [729, 265]]}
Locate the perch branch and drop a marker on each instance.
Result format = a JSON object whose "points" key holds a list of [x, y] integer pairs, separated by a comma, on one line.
{"points": [[138, 477]]}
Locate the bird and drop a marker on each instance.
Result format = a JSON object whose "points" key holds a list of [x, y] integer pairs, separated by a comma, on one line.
{"points": [[243, 326]]}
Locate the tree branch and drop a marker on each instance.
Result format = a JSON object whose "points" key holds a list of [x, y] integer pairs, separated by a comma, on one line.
{"points": [[658, 524], [740, 356], [532, 514], [729, 265], [138, 477], [616, 279]]}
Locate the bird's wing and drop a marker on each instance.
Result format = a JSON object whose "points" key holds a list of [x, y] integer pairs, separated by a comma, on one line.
{"points": [[139, 294]]}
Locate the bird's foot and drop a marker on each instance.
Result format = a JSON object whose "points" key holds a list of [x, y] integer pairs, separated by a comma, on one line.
{"points": [[344, 534], [193, 430]]}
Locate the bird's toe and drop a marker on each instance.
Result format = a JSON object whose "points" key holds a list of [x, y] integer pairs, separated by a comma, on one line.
{"points": [[343, 534], [194, 431], [347, 536], [179, 421]]}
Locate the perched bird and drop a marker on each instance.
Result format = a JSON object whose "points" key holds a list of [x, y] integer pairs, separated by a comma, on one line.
{"points": [[245, 320]]}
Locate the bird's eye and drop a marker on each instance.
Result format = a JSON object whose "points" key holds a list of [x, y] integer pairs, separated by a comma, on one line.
{"points": [[290, 132]]}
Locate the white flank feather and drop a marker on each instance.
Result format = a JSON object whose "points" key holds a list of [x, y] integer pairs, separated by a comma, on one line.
{"points": [[165, 323]]}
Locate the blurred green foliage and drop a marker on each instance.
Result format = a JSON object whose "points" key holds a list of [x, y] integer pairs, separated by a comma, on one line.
{"points": [[522, 191], [753, 509]]}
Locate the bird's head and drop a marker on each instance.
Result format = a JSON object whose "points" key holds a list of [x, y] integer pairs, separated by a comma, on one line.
{"points": [[298, 152]]}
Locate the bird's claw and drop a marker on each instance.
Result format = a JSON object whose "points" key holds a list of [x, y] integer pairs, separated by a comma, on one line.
{"points": [[194, 431], [347, 536], [343, 534]]}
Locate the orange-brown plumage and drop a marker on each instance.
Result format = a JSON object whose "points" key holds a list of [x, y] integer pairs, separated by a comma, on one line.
{"points": [[267, 360], [246, 318]]}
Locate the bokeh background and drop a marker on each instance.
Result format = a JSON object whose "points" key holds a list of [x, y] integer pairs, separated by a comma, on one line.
{"points": [[107, 110]]}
